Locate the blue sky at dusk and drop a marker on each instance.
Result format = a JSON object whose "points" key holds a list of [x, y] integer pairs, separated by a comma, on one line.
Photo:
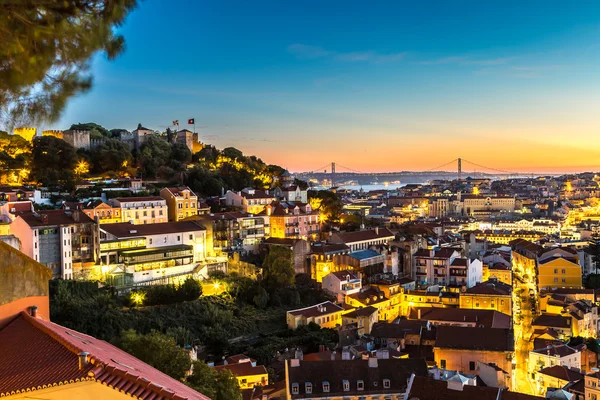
{"points": [[375, 86]]}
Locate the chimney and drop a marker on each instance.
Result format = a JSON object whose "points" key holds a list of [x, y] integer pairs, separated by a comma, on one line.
{"points": [[299, 355], [377, 230], [83, 359], [372, 362], [44, 218], [419, 313], [346, 355], [333, 355], [76, 216], [33, 311], [294, 363]]}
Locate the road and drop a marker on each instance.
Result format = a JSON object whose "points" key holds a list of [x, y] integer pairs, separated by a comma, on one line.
{"points": [[523, 332]]}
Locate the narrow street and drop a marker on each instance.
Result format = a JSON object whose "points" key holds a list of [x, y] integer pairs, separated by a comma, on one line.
{"points": [[523, 317]]}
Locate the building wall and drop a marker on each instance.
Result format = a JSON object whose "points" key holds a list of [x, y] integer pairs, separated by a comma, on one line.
{"points": [[502, 275], [460, 360], [86, 390], [180, 207], [26, 133], [249, 381], [499, 303], [539, 361], [559, 273], [324, 321], [77, 139], [155, 211], [24, 284]]}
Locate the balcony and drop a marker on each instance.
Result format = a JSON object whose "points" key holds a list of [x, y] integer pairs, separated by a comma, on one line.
{"points": [[421, 272]]}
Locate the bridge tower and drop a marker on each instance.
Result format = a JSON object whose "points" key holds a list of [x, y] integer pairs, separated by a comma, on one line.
{"points": [[459, 168], [333, 174]]}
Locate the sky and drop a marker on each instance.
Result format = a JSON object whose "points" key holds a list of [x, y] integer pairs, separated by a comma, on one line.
{"points": [[372, 85]]}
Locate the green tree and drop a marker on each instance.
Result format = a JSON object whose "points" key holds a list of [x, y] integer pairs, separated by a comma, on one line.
{"points": [[233, 153], [53, 162], [45, 52], [154, 153], [97, 131], [261, 298], [111, 155], [169, 134], [181, 153], [158, 350], [189, 290], [278, 269], [218, 385], [330, 205]]}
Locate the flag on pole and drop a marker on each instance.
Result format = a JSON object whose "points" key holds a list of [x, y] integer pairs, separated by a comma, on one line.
{"points": [[176, 122], [191, 121]]}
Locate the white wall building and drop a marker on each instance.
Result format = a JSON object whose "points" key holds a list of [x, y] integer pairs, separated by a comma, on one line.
{"points": [[142, 210]]}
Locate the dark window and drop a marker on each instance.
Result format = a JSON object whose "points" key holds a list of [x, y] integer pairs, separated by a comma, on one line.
{"points": [[443, 364], [472, 365]]}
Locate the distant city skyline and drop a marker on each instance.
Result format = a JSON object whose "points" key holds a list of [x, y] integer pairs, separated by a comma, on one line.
{"points": [[379, 87]]}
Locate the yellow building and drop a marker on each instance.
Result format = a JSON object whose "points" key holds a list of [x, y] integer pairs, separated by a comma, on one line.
{"points": [[556, 376], [423, 298], [489, 295], [559, 273], [247, 373], [592, 386], [394, 292], [505, 237], [374, 298], [498, 271], [181, 202], [326, 315]]}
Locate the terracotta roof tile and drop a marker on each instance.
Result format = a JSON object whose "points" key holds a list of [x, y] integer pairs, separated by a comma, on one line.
{"points": [[55, 360], [361, 236], [461, 338]]}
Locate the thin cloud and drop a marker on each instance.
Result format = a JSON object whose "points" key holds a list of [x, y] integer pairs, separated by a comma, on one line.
{"points": [[307, 52], [460, 60]]}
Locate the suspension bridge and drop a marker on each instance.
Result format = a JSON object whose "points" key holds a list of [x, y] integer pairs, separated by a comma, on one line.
{"points": [[336, 171]]}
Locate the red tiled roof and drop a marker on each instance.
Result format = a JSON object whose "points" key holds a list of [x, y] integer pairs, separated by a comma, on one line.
{"points": [[134, 199], [243, 369], [328, 308], [562, 372], [177, 190], [32, 360], [36, 352], [462, 338], [55, 217], [361, 236]]}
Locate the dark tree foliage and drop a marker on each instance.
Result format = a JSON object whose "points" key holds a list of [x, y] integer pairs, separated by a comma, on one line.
{"points": [[278, 269], [331, 205], [218, 385], [45, 51], [154, 153], [158, 350], [111, 155], [14, 151], [53, 162], [96, 131]]}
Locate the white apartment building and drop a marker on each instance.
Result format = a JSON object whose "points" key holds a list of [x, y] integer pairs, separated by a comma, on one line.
{"points": [[153, 251], [142, 210]]}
